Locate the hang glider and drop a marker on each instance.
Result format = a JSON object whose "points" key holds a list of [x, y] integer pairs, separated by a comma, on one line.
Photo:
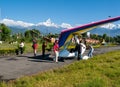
{"points": [[66, 35]]}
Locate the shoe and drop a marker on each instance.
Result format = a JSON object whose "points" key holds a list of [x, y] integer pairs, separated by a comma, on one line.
{"points": [[35, 55], [57, 62]]}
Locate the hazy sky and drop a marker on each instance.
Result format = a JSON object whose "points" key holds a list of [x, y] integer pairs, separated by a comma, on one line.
{"points": [[59, 11]]}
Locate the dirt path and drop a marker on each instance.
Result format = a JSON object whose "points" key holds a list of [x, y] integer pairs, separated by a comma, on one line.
{"points": [[17, 66]]}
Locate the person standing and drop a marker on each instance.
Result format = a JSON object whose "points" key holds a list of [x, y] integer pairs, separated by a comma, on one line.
{"points": [[43, 49], [56, 50], [90, 53], [78, 48], [21, 47], [35, 46]]}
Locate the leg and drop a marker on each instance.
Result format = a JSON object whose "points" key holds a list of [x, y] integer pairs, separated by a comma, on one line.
{"points": [[34, 52], [56, 56], [21, 50], [43, 53], [78, 56], [17, 51], [89, 54]]}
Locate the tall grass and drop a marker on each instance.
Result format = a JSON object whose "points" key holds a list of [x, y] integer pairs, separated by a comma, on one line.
{"points": [[99, 71]]}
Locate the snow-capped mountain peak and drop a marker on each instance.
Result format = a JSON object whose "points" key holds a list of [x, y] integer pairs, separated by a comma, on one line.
{"points": [[47, 23], [50, 27]]}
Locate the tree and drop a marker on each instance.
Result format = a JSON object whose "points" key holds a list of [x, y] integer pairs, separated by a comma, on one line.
{"points": [[84, 35], [30, 34], [94, 36], [117, 39], [35, 33], [104, 36], [5, 32]]}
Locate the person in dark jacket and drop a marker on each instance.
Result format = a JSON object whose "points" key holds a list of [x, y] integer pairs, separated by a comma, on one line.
{"points": [[43, 49], [78, 48]]}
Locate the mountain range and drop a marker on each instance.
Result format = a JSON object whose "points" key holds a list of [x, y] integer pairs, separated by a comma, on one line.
{"points": [[49, 27]]}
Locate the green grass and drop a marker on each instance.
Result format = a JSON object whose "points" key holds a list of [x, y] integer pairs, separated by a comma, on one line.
{"points": [[100, 71]]}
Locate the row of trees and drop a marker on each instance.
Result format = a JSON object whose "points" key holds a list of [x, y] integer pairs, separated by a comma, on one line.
{"points": [[105, 37], [109, 39], [28, 35], [5, 34]]}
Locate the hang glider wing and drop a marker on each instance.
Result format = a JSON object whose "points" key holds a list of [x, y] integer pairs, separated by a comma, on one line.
{"points": [[66, 35]]}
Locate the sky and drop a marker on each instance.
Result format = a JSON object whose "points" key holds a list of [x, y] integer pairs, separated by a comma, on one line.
{"points": [[59, 11]]}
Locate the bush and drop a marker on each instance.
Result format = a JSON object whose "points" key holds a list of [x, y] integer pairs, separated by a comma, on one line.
{"points": [[7, 51]]}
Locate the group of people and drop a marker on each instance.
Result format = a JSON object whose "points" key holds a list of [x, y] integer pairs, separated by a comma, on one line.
{"points": [[55, 49], [80, 48], [21, 47]]}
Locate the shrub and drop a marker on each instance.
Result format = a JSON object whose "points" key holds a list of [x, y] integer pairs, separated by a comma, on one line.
{"points": [[7, 51]]}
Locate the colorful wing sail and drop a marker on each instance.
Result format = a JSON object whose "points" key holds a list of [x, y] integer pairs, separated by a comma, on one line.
{"points": [[66, 35]]}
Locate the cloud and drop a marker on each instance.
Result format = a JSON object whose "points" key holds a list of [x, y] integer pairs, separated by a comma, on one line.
{"points": [[65, 25], [10, 22], [118, 25], [109, 26]]}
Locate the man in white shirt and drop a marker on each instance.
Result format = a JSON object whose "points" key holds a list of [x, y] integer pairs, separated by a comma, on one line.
{"points": [[21, 47]]}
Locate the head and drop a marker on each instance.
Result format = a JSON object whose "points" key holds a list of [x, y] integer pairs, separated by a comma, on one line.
{"points": [[90, 45], [34, 40], [43, 42], [56, 41], [80, 41]]}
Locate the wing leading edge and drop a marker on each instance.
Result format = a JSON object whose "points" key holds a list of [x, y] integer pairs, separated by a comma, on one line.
{"points": [[66, 35]]}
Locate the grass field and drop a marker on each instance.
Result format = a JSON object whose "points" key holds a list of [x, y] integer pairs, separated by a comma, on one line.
{"points": [[99, 71]]}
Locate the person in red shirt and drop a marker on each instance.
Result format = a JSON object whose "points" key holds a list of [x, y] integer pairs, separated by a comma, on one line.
{"points": [[56, 50], [35, 46]]}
